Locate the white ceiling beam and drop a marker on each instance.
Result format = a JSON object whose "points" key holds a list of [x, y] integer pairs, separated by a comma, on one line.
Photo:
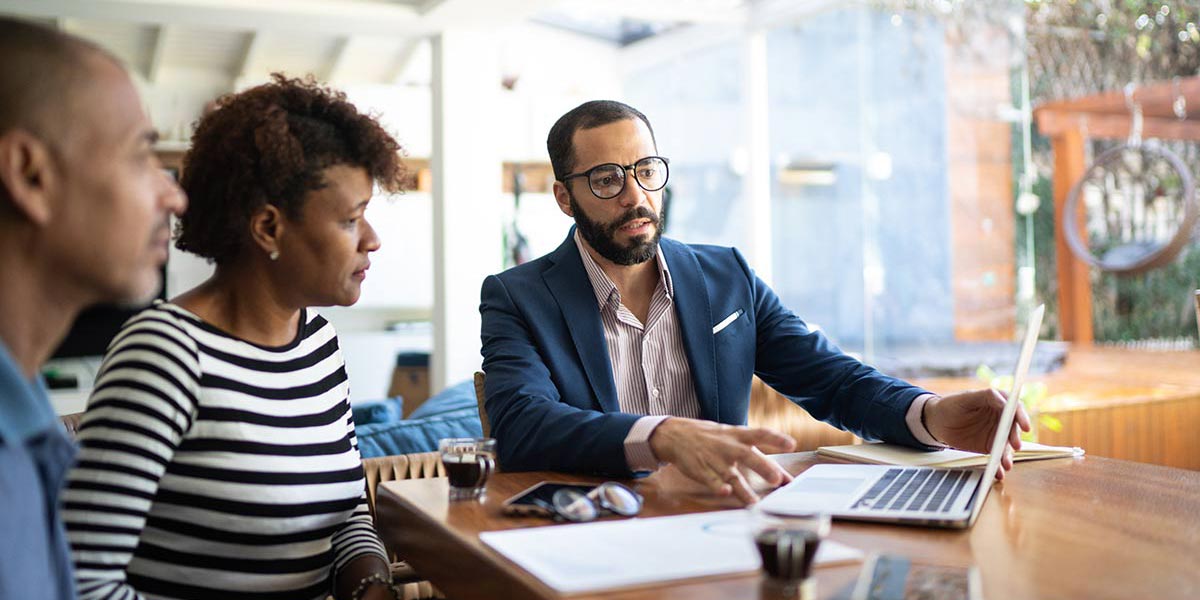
{"points": [[250, 49], [429, 6], [346, 17], [336, 65], [154, 62], [405, 56]]}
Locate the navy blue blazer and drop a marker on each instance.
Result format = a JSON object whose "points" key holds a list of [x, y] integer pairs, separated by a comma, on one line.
{"points": [[551, 396]]}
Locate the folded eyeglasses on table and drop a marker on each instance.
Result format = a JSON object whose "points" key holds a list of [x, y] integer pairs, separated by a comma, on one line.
{"points": [[572, 505]]}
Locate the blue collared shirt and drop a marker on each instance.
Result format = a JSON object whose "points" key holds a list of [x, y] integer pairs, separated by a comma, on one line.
{"points": [[35, 453]]}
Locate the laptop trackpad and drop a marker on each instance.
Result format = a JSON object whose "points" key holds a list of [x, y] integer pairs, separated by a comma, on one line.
{"points": [[820, 493], [832, 485]]}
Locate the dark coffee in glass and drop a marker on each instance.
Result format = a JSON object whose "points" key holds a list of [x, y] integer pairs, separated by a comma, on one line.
{"points": [[467, 470], [468, 463], [787, 553]]}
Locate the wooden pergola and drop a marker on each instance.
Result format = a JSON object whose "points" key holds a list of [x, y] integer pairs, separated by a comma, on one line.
{"points": [[1068, 124]]}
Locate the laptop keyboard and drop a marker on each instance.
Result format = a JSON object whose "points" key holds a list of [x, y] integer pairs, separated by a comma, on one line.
{"points": [[926, 490]]}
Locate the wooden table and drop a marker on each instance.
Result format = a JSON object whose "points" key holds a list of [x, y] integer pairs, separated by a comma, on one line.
{"points": [[1067, 528]]}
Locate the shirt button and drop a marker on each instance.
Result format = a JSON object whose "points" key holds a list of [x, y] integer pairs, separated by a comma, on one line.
{"points": [[655, 392]]}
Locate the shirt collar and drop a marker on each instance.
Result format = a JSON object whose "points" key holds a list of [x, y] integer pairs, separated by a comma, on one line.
{"points": [[24, 404], [604, 287]]}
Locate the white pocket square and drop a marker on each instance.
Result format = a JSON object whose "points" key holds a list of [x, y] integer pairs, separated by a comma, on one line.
{"points": [[727, 321]]}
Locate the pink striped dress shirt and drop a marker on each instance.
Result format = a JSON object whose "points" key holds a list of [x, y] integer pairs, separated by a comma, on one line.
{"points": [[650, 369]]}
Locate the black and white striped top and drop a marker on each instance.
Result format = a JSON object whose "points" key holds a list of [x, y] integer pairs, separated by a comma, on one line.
{"points": [[211, 467]]}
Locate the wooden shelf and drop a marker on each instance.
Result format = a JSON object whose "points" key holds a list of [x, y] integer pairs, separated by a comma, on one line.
{"points": [[538, 177]]}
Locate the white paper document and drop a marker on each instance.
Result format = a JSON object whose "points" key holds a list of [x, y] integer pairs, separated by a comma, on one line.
{"points": [[609, 554]]}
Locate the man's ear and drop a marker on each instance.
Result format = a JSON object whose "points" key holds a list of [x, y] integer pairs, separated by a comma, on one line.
{"points": [[28, 175], [266, 228], [563, 197]]}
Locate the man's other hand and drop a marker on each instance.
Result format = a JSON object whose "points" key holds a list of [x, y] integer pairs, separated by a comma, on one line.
{"points": [[710, 453], [968, 420]]}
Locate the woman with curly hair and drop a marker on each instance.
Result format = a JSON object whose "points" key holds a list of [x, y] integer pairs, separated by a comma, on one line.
{"points": [[218, 457]]}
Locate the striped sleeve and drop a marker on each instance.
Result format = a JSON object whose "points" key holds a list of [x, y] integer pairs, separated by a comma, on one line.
{"points": [[143, 403], [357, 537]]}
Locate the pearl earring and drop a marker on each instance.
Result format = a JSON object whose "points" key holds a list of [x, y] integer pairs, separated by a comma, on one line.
{"points": [[274, 255]]}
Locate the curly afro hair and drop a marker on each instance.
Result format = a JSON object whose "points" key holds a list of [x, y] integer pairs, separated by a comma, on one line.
{"points": [[270, 145]]}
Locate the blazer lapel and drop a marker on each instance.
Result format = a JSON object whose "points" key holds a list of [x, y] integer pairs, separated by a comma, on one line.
{"points": [[572, 290], [695, 323]]}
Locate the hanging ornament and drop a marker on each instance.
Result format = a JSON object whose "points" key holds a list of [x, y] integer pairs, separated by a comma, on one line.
{"points": [[1135, 208]]}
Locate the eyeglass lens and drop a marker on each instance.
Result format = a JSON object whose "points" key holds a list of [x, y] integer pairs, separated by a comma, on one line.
{"points": [[618, 498], [608, 180], [574, 505]]}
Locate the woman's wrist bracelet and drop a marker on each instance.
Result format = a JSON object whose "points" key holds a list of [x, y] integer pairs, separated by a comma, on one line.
{"points": [[374, 579]]}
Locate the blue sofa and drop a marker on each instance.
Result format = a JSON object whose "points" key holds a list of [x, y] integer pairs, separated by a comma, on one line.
{"points": [[449, 413]]}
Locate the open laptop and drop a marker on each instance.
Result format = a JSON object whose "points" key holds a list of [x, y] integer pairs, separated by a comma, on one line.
{"points": [[929, 496]]}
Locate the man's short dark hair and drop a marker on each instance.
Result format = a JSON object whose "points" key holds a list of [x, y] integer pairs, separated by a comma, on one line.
{"points": [[41, 69], [39, 66], [588, 115]]}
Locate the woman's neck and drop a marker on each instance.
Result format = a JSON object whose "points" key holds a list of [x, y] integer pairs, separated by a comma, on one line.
{"points": [[244, 303]]}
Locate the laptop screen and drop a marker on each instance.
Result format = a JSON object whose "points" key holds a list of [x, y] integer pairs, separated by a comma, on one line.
{"points": [[1014, 398]]}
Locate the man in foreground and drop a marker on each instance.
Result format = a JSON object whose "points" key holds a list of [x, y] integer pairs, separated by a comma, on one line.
{"points": [[84, 208]]}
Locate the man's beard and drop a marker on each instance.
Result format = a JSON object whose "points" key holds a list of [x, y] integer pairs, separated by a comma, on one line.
{"points": [[602, 237]]}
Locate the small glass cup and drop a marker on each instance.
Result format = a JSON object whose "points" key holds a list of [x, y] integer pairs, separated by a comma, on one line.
{"points": [[788, 547], [469, 463]]}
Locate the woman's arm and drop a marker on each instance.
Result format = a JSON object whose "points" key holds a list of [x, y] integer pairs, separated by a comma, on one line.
{"points": [[356, 573], [358, 552], [143, 403]]}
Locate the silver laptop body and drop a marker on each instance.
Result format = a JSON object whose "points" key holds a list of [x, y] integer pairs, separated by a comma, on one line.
{"points": [[936, 497]]}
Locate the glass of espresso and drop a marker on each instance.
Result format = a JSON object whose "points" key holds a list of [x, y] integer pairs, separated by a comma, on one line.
{"points": [[788, 547], [469, 462]]}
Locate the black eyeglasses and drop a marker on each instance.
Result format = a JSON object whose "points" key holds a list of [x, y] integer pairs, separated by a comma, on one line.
{"points": [[572, 505], [608, 180]]}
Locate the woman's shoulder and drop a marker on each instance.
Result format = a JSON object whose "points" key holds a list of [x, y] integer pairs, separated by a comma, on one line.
{"points": [[166, 313], [162, 322]]}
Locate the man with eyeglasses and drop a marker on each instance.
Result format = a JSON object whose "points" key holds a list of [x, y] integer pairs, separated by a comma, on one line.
{"points": [[622, 351]]}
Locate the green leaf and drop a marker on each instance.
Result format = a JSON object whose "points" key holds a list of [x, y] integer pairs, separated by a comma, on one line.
{"points": [[985, 374], [1034, 392], [1050, 422]]}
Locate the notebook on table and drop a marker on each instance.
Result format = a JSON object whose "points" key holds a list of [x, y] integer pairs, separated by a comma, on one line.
{"points": [[878, 453]]}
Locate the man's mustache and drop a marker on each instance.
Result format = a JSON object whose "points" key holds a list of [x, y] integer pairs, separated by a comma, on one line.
{"points": [[640, 212]]}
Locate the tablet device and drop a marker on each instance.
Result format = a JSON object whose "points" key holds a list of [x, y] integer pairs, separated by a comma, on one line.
{"points": [[538, 499]]}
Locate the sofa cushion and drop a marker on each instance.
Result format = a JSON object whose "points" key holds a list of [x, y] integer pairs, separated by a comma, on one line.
{"points": [[450, 413], [456, 397], [387, 410], [416, 435]]}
